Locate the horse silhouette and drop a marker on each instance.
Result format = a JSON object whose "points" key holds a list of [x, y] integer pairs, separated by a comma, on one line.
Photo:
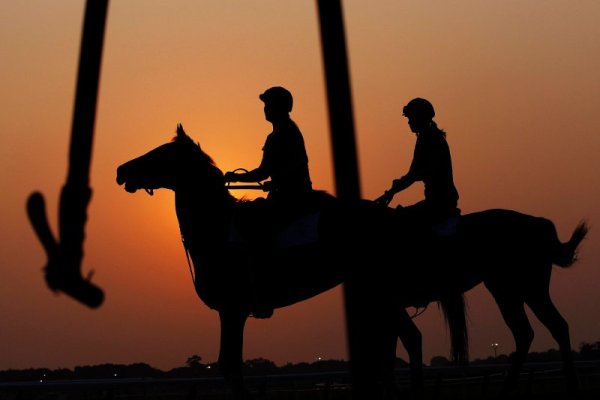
{"points": [[386, 262]]}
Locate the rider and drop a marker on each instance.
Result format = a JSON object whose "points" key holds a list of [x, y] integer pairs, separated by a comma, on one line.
{"points": [[284, 157], [431, 164], [285, 161]]}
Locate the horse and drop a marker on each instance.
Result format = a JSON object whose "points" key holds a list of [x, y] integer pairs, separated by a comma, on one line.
{"points": [[369, 247]]}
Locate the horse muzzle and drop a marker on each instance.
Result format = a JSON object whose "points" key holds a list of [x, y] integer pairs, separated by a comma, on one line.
{"points": [[123, 179]]}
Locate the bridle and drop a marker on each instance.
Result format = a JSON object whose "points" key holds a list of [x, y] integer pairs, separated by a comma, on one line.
{"points": [[258, 185]]}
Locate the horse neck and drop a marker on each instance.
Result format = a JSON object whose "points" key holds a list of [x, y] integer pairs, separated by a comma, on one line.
{"points": [[203, 218]]}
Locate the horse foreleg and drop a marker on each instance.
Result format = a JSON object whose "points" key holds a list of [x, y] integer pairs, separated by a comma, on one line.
{"points": [[230, 353], [412, 340], [386, 346]]}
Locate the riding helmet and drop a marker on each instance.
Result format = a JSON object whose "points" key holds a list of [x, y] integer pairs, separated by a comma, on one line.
{"points": [[419, 108], [279, 96]]}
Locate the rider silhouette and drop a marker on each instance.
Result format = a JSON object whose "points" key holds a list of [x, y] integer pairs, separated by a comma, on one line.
{"points": [[431, 164], [284, 155], [285, 161]]}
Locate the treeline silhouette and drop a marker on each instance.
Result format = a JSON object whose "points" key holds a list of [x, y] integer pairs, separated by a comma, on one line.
{"points": [[195, 368], [587, 352]]}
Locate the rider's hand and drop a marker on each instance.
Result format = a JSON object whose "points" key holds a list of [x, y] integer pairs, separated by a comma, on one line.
{"points": [[267, 186], [230, 177]]}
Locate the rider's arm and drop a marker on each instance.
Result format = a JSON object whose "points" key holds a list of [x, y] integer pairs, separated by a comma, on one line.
{"points": [[399, 185], [256, 175], [262, 172], [414, 173]]}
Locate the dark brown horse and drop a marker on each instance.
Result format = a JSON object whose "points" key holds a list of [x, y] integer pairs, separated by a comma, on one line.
{"points": [[387, 265]]}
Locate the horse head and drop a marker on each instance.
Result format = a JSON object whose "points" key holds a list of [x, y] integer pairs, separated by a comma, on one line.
{"points": [[168, 166]]}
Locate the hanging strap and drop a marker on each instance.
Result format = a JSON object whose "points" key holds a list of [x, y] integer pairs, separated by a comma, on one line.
{"points": [[189, 260]]}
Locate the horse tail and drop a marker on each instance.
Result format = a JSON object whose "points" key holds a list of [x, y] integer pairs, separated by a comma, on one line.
{"points": [[455, 314], [565, 254]]}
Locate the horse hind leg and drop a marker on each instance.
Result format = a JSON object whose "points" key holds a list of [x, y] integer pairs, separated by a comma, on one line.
{"points": [[400, 325], [513, 312], [412, 340], [546, 312]]}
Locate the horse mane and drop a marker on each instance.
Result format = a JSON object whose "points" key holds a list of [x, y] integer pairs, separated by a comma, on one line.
{"points": [[204, 159], [188, 140]]}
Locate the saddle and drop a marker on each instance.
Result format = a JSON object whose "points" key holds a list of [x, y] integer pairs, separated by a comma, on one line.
{"points": [[426, 224], [274, 227]]}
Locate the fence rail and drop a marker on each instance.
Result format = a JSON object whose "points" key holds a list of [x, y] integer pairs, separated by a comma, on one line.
{"points": [[539, 380]]}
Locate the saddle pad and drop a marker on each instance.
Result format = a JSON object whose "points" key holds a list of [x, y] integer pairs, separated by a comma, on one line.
{"points": [[447, 227], [299, 232]]}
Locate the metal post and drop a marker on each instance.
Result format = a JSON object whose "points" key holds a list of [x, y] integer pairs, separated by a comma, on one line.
{"points": [[347, 184], [339, 100]]}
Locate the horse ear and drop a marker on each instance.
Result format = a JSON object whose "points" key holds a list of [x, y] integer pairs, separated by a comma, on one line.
{"points": [[180, 132], [182, 135]]}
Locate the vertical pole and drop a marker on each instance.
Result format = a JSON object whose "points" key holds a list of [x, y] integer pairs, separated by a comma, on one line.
{"points": [[63, 269], [347, 184], [88, 78], [76, 193], [339, 100]]}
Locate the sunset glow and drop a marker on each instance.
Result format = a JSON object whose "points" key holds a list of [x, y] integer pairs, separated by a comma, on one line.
{"points": [[516, 86]]}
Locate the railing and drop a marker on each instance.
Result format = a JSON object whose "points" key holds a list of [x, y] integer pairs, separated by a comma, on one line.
{"points": [[539, 380]]}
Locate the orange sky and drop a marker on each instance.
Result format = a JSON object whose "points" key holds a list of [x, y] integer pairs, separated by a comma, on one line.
{"points": [[515, 84]]}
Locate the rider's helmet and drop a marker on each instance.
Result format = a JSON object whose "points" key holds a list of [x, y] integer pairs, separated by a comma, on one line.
{"points": [[419, 108], [279, 96]]}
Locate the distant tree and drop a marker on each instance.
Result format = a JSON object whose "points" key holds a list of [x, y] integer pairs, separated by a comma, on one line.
{"points": [[502, 359], [486, 361], [589, 351], [301, 367], [544, 356], [103, 371], [327, 366], [138, 370], [30, 374], [260, 366], [440, 361], [194, 362], [61, 373], [95, 371]]}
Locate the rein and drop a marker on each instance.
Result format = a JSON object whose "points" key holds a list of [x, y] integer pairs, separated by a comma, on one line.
{"points": [[259, 185], [189, 260], [418, 311]]}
